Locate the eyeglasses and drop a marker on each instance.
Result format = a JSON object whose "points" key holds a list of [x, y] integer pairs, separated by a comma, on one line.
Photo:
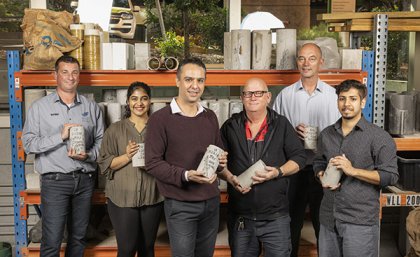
{"points": [[311, 59], [248, 94]]}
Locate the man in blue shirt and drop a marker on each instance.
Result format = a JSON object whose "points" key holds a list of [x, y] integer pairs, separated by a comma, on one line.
{"points": [[67, 177]]}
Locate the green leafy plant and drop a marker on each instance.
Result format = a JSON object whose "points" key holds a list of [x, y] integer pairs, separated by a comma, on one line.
{"points": [[172, 46], [320, 30], [202, 21]]}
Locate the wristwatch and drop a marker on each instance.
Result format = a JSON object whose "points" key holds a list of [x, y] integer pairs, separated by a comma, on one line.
{"points": [[281, 173]]}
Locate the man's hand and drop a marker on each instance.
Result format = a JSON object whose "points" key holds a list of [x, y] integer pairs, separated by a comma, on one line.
{"points": [[268, 174], [131, 149], [332, 188], [198, 177], [223, 159], [343, 163], [233, 180], [301, 131], [65, 132], [80, 157]]}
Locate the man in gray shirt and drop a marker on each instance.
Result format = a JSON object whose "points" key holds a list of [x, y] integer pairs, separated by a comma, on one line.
{"points": [[67, 176], [308, 102], [366, 154]]}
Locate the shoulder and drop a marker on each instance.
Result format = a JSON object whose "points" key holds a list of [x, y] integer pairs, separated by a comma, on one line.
{"points": [[116, 127], [85, 101], [378, 133], [327, 88], [288, 89]]}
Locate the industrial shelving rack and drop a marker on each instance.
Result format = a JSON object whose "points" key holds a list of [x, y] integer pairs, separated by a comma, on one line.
{"points": [[18, 80]]}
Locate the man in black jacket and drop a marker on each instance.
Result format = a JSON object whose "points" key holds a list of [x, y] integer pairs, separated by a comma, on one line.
{"points": [[259, 215]]}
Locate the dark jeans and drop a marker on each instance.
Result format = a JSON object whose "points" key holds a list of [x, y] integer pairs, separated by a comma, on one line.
{"points": [[135, 228], [248, 237], [192, 226], [65, 198], [304, 189], [349, 240]]}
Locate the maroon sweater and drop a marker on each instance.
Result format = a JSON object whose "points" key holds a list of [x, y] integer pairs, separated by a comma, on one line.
{"points": [[174, 144]]}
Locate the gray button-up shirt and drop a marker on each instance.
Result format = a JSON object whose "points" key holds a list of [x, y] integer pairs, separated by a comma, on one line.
{"points": [[368, 147], [42, 133], [318, 109]]}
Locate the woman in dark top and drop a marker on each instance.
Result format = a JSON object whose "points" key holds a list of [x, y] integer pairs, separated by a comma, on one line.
{"points": [[134, 203]]}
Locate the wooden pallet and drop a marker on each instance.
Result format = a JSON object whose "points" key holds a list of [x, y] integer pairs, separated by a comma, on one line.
{"points": [[364, 21]]}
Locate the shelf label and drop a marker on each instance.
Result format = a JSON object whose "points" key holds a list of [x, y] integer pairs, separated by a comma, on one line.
{"points": [[17, 83], [413, 200], [393, 200]]}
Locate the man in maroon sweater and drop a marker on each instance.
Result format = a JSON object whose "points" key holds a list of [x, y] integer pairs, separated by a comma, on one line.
{"points": [[177, 138]]}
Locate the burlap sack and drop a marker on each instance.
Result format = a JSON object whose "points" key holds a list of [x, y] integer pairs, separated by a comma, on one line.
{"points": [[413, 230], [46, 38], [62, 19]]}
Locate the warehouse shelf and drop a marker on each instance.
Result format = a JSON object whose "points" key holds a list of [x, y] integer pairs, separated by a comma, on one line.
{"points": [[407, 144], [19, 80], [33, 197]]}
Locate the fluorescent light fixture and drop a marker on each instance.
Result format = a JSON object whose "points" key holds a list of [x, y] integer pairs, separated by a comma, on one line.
{"points": [[95, 11]]}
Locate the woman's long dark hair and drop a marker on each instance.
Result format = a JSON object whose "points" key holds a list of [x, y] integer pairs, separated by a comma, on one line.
{"points": [[133, 87]]}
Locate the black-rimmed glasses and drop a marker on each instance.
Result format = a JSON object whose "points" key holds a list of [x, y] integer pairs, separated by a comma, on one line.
{"points": [[248, 94]]}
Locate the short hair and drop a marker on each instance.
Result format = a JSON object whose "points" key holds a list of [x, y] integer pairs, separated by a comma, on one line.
{"points": [[312, 44], [346, 85], [191, 60], [133, 87], [66, 59]]}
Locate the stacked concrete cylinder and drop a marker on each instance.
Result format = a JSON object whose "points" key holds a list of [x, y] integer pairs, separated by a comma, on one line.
{"points": [[261, 49], [241, 49], [286, 49]]}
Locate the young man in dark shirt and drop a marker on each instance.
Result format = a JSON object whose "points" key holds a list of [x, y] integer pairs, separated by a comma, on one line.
{"points": [[349, 213], [260, 215], [177, 138]]}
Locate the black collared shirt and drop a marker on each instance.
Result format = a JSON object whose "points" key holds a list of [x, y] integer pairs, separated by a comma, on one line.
{"points": [[368, 147]]}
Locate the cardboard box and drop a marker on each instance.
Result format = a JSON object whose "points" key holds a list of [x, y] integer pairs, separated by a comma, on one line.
{"points": [[343, 6], [106, 56], [122, 56]]}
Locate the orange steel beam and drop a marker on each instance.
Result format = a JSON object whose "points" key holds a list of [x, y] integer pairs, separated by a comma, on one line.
{"points": [[408, 144], [30, 197], [111, 251], [167, 78], [20, 151]]}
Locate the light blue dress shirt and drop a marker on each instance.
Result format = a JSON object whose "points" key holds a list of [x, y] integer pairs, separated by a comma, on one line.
{"points": [[42, 133]]}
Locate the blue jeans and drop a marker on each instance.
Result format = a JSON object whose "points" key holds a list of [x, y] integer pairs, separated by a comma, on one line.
{"points": [[349, 240], [65, 198], [248, 237], [192, 226]]}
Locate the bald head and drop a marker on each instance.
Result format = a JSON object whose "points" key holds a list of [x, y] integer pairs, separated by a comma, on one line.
{"points": [[256, 84], [311, 47]]}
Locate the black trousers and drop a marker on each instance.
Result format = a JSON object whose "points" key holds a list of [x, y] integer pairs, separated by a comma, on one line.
{"points": [[192, 226], [135, 228], [304, 190]]}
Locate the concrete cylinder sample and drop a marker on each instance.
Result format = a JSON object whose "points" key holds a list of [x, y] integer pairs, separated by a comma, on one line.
{"points": [[241, 49], [261, 49], [286, 49], [77, 139], [227, 51]]}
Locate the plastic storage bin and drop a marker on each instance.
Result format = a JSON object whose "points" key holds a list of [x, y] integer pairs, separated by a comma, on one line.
{"points": [[409, 169]]}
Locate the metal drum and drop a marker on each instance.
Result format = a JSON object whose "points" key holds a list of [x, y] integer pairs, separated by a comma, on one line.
{"points": [[402, 114]]}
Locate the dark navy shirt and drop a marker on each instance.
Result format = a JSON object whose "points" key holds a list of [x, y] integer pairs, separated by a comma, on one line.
{"points": [[368, 147]]}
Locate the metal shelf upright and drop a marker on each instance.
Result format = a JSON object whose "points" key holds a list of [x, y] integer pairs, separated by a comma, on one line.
{"points": [[18, 165]]}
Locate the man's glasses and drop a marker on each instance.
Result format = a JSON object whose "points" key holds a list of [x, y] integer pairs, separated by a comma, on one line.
{"points": [[311, 59], [248, 94]]}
